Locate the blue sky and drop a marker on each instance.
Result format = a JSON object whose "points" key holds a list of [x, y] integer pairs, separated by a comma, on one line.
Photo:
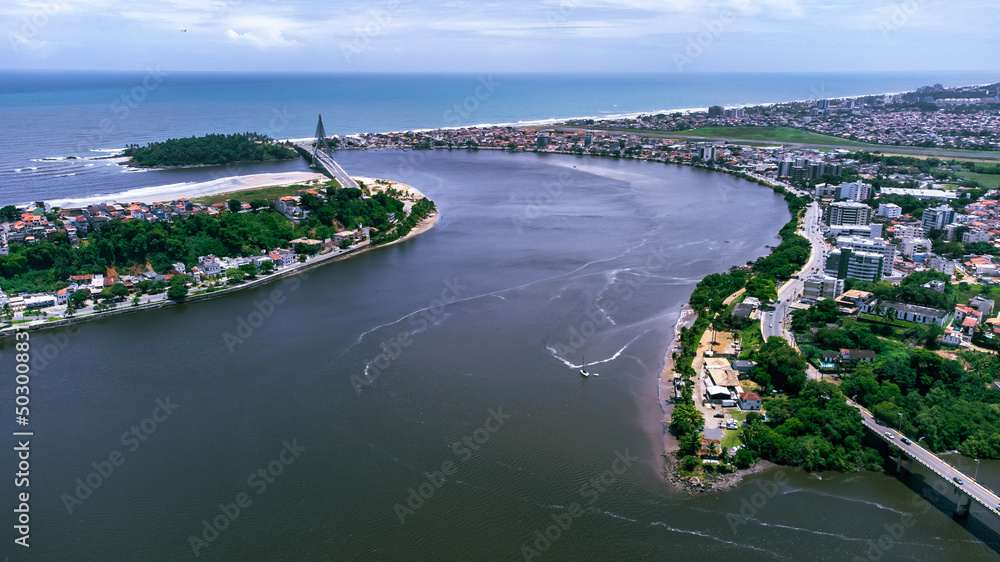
{"points": [[543, 36]]}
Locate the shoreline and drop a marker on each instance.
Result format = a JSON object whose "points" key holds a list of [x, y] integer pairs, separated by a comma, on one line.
{"points": [[553, 121], [168, 192]]}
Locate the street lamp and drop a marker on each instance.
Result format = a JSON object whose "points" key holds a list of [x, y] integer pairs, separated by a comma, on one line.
{"points": [[977, 469], [900, 422]]}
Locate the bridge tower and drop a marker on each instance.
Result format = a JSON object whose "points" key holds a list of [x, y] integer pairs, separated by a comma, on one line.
{"points": [[320, 140]]}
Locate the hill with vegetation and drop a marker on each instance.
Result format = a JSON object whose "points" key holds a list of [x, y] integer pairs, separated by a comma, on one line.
{"points": [[209, 150]]}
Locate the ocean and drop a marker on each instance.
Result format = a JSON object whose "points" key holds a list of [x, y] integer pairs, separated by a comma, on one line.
{"points": [[56, 123]]}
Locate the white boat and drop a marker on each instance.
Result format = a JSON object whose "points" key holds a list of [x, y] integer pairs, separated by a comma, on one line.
{"points": [[583, 370]]}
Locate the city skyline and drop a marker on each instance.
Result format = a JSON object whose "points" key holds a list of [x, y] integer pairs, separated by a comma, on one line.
{"points": [[564, 35]]}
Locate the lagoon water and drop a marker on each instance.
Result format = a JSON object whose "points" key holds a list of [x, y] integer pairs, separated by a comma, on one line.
{"points": [[537, 261]]}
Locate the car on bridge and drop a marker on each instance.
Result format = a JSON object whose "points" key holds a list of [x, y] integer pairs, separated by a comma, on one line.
{"points": [[958, 480], [889, 435]]}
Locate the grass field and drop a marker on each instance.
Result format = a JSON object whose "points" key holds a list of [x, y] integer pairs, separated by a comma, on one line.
{"points": [[991, 181], [265, 193], [772, 134]]}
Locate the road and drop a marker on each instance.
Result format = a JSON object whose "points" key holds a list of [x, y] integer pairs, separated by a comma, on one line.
{"points": [[331, 166], [973, 489], [774, 322]]}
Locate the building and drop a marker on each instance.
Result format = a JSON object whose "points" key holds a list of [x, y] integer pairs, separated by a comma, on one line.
{"points": [[890, 210], [825, 190], [854, 191], [716, 111], [937, 218], [819, 287], [846, 263], [708, 153], [973, 236], [908, 312], [909, 246], [920, 193], [909, 230], [750, 401], [542, 141], [823, 104], [848, 213], [942, 265], [874, 246]]}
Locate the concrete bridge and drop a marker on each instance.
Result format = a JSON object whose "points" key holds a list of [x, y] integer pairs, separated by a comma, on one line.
{"points": [[322, 160], [966, 489]]}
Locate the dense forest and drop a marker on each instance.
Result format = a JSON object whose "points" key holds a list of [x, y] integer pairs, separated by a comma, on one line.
{"points": [[209, 150]]}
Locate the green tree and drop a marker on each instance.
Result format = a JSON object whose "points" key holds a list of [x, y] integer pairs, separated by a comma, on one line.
{"points": [[178, 288], [10, 213], [234, 206], [763, 289], [79, 298]]}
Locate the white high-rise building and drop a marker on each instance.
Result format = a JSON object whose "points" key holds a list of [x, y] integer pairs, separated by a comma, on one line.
{"points": [[872, 245], [975, 236], [819, 287], [848, 212], [855, 191], [937, 218], [890, 210]]}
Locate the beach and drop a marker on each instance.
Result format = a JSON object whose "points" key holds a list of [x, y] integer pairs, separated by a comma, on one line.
{"points": [[171, 192]]}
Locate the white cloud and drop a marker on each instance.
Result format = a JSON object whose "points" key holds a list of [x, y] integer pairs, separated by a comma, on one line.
{"points": [[262, 39]]}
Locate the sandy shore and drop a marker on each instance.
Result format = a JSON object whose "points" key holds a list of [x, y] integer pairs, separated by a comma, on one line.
{"points": [[171, 192]]}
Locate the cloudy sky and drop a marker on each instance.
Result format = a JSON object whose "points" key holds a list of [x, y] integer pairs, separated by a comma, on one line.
{"points": [[518, 35]]}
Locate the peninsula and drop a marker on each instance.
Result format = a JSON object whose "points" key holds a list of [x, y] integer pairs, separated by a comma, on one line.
{"points": [[59, 264]]}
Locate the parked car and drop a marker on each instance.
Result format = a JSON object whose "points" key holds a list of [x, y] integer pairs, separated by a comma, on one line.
{"points": [[720, 415]]}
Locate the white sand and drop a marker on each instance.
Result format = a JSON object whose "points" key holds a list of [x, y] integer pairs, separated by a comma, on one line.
{"points": [[163, 193]]}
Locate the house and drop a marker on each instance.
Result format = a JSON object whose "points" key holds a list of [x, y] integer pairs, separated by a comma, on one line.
{"points": [[952, 337], [750, 401], [744, 367], [62, 296], [908, 312], [982, 304], [855, 355], [829, 360]]}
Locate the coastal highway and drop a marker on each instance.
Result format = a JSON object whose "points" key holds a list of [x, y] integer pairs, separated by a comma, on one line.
{"points": [[973, 489]]}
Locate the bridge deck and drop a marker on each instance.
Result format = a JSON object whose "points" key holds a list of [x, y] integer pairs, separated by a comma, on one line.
{"points": [[970, 487]]}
